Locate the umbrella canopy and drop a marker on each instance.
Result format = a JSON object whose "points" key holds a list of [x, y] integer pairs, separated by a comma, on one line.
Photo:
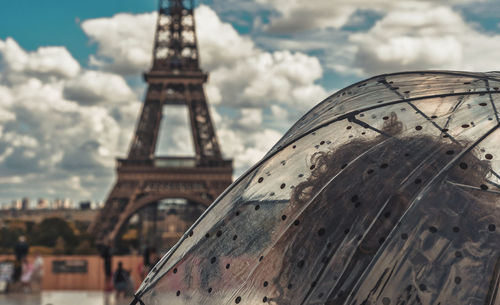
{"points": [[387, 192]]}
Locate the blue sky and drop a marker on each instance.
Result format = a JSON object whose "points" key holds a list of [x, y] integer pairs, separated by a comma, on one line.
{"points": [[52, 22], [71, 87]]}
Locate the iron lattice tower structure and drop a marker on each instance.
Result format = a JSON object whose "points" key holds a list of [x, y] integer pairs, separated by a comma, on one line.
{"points": [[175, 78]]}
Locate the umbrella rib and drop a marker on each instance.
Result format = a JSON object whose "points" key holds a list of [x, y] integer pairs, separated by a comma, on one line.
{"points": [[442, 130], [452, 114], [390, 87], [366, 125], [495, 174], [402, 97], [385, 204], [494, 283], [306, 205], [439, 72], [421, 193], [354, 112], [491, 100], [473, 187], [483, 77], [322, 272]]}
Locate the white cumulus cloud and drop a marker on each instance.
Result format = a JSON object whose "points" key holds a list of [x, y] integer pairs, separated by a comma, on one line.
{"points": [[44, 62], [427, 37], [93, 87], [124, 41], [405, 35], [46, 138]]}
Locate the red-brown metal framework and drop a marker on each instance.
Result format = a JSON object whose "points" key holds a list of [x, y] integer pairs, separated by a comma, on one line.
{"points": [[174, 79]]}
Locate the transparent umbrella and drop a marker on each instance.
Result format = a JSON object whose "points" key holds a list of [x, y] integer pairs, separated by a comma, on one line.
{"points": [[387, 192]]}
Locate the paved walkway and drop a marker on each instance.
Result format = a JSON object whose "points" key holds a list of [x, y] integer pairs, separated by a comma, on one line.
{"points": [[62, 298]]}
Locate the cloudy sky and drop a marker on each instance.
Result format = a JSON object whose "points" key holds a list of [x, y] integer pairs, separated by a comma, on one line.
{"points": [[70, 85]]}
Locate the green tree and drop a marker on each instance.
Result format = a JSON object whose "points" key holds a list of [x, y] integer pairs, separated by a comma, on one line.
{"points": [[85, 248], [9, 237], [60, 246], [46, 233], [30, 225]]}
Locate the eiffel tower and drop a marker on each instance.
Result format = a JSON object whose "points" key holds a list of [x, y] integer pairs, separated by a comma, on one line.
{"points": [[175, 78]]}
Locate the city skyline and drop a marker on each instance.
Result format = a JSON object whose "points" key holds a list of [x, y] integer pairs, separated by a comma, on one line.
{"points": [[71, 86]]}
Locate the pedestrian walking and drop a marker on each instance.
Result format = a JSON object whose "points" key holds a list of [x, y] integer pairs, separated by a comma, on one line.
{"points": [[121, 280]]}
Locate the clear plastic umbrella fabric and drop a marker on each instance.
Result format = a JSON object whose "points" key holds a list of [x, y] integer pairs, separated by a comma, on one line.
{"points": [[387, 192]]}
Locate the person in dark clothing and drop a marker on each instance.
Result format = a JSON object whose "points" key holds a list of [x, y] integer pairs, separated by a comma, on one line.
{"points": [[121, 279], [146, 258], [21, 250], [106, 256]]}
